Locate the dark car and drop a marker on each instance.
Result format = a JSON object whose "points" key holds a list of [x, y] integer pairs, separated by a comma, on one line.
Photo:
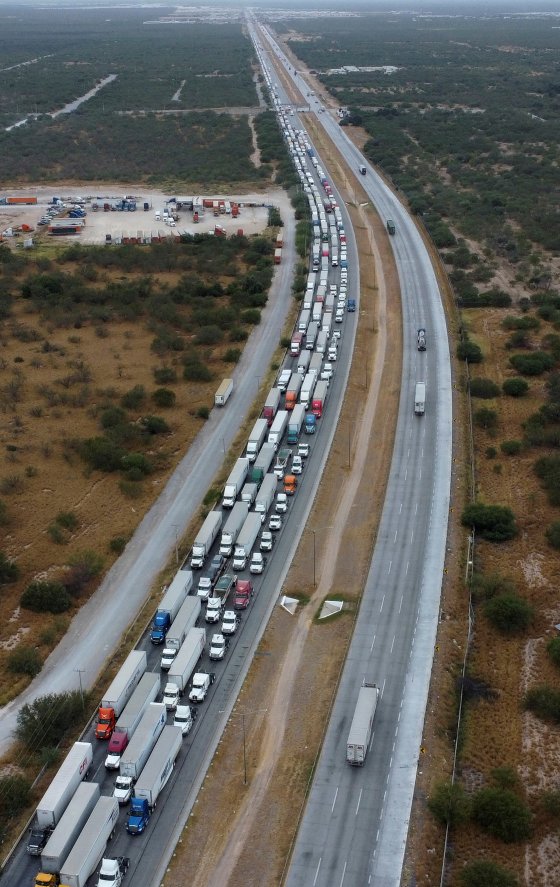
{"points": [[216, 567]]}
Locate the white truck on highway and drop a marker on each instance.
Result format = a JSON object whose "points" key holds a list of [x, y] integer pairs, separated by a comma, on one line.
{"points": [[88, 850], [420, 398], [232, 526], [245, 541], [307, 388], [235, 482], [265, 496], [205, 539], [71, 824], [185, 663], [362, 724], [112, 871], [159, 767], [278, 427], [201, 683], [256, 439], [146, 692], [137, 751], [183, 622], [303, 363]]}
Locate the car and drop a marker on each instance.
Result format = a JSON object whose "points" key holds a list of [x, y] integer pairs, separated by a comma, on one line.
{"points": [[281, 505], [267, 541], [339, 316], [229, 622], [216, 568], [327, 372], [218, 647], [341, 303], [258, 563], [303, 450], [297, 465], [275, 522]]}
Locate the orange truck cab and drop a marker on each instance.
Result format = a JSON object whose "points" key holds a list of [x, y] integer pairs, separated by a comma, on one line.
{"points": [[46, 880], [106, 723], [290, 484]]}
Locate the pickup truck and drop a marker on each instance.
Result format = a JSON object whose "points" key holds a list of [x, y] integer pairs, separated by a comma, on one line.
{"points": [[218, 647], [201, 683], [112, 871]]}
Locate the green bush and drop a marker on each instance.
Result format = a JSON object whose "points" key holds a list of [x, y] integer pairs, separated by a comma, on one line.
{"points": [[553, 650], [486, 587], [509, 613], [209, 335], [511, 447], [57, 534], [131, 489], [112, 416], [134, 398], [118, 544], [164, 397], [534, 364], [547, 469], [232, 355], [491, 452], [526, 322], [553, 535], [495, 523], [43, 722], [544, 702], [164, 375], [9, 570], [67, 520], [502, 814], [470, 352], [155, 425], [251, 316], [484, 873], [483, 388], [449, 804], [45, 597], [102, 454], [485, 418], [15, 795], [551, 803], [25, 660], [515, 387], [197, 372], [237, 334], [203, 412]]}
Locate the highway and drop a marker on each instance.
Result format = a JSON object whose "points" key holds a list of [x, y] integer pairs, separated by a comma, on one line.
{"points": [[150, 852], [355, 824]]}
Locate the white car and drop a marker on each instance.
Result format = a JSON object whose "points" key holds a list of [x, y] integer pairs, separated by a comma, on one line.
{"points": [[297, 465], [230, 622], [326, 372], [339, 316]]}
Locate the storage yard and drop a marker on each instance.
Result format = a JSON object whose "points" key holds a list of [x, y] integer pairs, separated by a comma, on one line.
{"points": [[139, 216]]}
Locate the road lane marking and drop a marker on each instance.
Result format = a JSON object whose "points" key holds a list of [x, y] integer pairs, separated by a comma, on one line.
{"points": [[400, 509], [390, 565], [382, 602], [358, 804], [372, 643], [383, 687], [317, 872], [396, 534], [335, 797], [402, 596], [393, 643], [343, 873], [407, 566]]}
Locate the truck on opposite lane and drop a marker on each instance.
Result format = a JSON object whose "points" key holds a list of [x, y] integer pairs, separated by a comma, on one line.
{"points": [[420, 398], [362, 724]]}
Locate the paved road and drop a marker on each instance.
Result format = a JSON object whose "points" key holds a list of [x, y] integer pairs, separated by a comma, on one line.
{"points": [[97, 629], [355, 824]]}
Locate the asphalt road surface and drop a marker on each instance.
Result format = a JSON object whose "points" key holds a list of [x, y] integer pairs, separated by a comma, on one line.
{"points": [[355, 824]]}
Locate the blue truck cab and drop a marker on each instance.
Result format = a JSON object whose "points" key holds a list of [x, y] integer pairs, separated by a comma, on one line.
{"points": [[351, 305], [310, 423], [138, 816], [160, 627]]}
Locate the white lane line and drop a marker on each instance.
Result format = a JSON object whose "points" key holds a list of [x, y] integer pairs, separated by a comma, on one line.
{"points": [[401, 603], [406, 472], [317, 872], [412, 535], [400, 509], [393, 643], [390, 565], [372, 643], [382, 602], [343, 873], [407, 566], [383, 687], [358, 804], [396, 534], [335, 797]]}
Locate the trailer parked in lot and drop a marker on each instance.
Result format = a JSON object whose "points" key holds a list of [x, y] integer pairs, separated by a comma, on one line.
{"points": [[71, 824], [88, 850], [362, 723]]}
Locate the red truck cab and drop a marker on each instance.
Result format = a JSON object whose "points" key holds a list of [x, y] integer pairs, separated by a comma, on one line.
{"points": [[243, 592], [105, 723]]}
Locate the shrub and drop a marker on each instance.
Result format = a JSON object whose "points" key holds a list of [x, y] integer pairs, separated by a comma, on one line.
{"points": [[553, 650], [67, 520], [43, 722], [551, 803], [544, 702], [470, 352], [209, 335], [511, 447], [197, 372], [237, 334], [56, 533], [45, 597], [515, 387], [155, 425], [553, 535], [547, 468], [232, 355], [130, 488], [102, 453], [484, 873], [134, 398], [164, 375], [15, 795], [118, 544], [527, 322], [495, 523], [502, 814], [25, 660], [112, 416], [509, 613], [252, 316], [449, 804], [9, 570], [491, 452], [485, 418], [137, 462], [486, 587], [483, 388], [84, 566], [534, 364], [203, 412], [164, 397], [4, 517]]}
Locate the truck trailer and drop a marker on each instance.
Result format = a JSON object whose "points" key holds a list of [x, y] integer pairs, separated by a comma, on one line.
{"points": [[183, 622], [292, 392], [295, 422], [262, 463], [146, 692], [223, 393], [71, 824], [362, 723], [205, 539], [245, 541], [420, 398], [143, 741], [265, 496], [54, 802], [232, 527], [319, 398], [183, 666], [88, 850], [256, 439], [119, 692], [278, 427], [170, 605], [153, 780], [235, 482], [271, 405]]}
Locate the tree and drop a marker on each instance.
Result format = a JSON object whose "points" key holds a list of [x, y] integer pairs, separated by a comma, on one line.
{"points": [[43, 722], [495, 523], [84, 566], [164, 397], [449, 803], [544, 702], [511, 447], [509, 613], [553, 535], [534, 364], [485, 418], [15, 793], [502, 814], [45, 597], [484, 873], [515, 387], [483, 388], [9, 570], [25, 660], [469, 351]]}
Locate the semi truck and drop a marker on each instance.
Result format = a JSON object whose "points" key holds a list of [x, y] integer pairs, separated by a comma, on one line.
{"points": [[146, 692], [249, 493], [303, 321], [88, 850], [265, 496], [303, 362], [295, 422], [278, 427], [223, 393], [234, 482], [281, 464], [307, 389], [362, 723], [183, 622], [322, 340], [283, 379], [205, 539], [112, 871], [58, 795], [420, 398], [143, 741], [154, 778], [119, 692], [185, 663], [245, 541], [292, 392], [311, 336], [262, 463], [271, 405], [310, 423], [421, 339], [256, 439], [64, 836], [170, 605], [319, 398], [232, 527]]}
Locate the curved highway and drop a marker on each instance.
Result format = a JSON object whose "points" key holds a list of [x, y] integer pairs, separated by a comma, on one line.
{"points": [[355, 824]]}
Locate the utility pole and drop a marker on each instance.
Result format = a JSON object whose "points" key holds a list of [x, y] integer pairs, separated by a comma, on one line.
{"points": [[81, 671]]}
